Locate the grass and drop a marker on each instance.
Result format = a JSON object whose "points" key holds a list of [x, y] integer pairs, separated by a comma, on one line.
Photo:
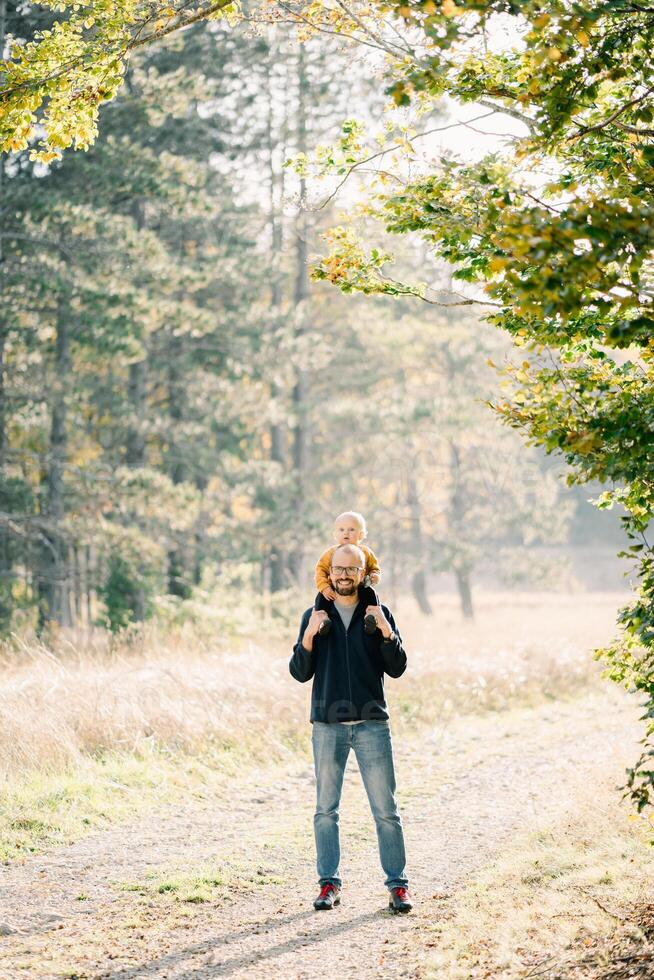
{"points": [[95, 728], [203, 883], [557, 902], [45, 809]]}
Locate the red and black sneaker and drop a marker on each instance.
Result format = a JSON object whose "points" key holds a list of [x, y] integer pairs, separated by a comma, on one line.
{"points": [[330, 895], [400, 900]]}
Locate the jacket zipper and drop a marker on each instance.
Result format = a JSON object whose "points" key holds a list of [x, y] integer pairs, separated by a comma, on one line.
{"points": [[347, 661]]}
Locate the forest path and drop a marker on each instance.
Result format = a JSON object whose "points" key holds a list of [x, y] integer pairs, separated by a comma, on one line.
{"points": [[463, 788]]}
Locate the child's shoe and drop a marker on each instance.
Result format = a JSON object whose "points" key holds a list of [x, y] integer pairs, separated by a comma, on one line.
{"points": [[325, 627], [370, 624]]}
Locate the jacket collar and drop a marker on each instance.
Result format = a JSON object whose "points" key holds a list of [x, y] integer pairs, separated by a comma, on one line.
{"points": [[358, 611]]}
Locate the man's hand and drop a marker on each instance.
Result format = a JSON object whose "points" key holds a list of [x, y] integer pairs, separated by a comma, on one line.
{"points": [[329, 593], [317, 617], [382, 622]]}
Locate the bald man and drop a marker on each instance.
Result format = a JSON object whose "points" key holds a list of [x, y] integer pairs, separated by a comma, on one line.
{"points": [[348, 710]]}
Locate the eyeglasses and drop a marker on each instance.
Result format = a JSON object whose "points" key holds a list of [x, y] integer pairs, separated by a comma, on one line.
{"points": [[350, 571]]}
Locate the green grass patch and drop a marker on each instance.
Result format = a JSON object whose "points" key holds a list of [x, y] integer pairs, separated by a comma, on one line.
{"points": [[209, 882], [46, 809]]}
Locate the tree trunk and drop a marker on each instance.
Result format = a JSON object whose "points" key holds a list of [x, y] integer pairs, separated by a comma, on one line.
{"points": [[458, 516], [54, 586], [135, 442], [90, 585], [419, 578], [275, 557], [199, 534], [136, 386], [465, 592], [5, 551], [135, 439], [179, 575], [301, 460], [6, 569]]}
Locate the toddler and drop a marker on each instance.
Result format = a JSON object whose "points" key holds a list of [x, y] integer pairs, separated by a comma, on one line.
{"points": [[349, 528]]}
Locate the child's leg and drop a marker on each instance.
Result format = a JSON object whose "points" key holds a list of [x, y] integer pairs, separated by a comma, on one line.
{"points": [[322, 603], [370, 598]]}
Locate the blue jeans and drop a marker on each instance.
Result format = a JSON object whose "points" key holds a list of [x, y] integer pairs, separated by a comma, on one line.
{"points": [[373, 749]]}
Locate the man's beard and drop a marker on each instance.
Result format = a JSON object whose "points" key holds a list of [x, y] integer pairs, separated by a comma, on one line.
{"points": [[346, 589]]}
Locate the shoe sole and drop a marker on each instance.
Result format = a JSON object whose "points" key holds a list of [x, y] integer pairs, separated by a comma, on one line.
{"points": [[398, 911], [327, 908]]}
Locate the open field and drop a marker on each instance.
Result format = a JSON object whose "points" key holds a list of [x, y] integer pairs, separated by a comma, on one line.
{"points": [[220, 883], [82, 718], [184, 688], [176, 775]]}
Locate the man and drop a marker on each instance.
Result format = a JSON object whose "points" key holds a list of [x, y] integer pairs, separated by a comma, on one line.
{"points": [[348, 710]]}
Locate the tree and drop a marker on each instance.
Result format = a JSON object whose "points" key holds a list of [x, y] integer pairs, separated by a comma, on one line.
{"points": [[55, 81], [127, 271], [184, 394], [556, 230], [443, 486]]}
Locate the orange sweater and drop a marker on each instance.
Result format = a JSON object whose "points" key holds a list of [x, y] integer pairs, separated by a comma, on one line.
{"points": [[325, 563]]}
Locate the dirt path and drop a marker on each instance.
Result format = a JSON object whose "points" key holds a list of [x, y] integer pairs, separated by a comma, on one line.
{"points": [[463, 789]]}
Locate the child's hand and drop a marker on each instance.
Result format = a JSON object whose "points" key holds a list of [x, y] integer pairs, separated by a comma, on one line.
{"points": [[375, 578], [329, 593]]}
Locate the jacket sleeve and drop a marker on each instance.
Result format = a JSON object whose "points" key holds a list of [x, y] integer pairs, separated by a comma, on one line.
{"points": [[393, 654], [322, 570], [302, 664]]}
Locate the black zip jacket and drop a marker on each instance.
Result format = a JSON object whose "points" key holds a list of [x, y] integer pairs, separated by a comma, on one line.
{"points": [[348, 667]]}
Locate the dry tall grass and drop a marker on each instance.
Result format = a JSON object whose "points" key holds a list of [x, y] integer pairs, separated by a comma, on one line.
{"points": [[180, 689], [557, 900]]}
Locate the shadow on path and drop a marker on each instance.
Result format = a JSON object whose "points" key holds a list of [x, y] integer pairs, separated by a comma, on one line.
{"points": [[222, 968]]}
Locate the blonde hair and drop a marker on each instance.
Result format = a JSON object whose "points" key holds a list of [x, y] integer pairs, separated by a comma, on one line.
{"points": [[359, 518]]}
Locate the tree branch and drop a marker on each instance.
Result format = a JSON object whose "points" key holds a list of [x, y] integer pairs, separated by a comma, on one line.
{"points": [[583, 130], [393, 50], [635, 129], [121, 51], [389, 149], [529, 123], [463, 300]]}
